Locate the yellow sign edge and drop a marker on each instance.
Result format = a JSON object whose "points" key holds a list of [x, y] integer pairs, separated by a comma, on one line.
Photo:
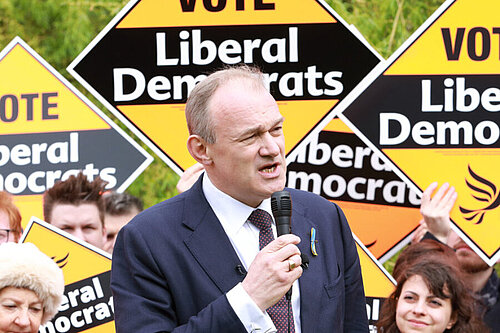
{"points": [[35, 220]]}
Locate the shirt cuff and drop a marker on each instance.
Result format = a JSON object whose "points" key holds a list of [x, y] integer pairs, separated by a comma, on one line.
{"points": [[254, 320]]}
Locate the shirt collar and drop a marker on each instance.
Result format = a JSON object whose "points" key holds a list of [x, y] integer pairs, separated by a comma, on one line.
{"points": [[231, 213]]}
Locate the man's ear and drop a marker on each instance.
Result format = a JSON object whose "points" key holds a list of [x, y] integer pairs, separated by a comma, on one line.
{"points": [[198, 149]]}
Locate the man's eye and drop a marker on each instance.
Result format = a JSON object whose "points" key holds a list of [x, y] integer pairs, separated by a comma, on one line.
{"points": [[277, 130]]}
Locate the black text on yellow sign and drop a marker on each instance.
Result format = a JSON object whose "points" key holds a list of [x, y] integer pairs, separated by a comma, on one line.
{"points": [[12, 107], [434, 110], [144, 64], [476, 42], [217, 6]]}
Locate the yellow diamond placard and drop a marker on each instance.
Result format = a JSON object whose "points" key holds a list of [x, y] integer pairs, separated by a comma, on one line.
{"points": [[49, 131], [433, 110], [87, 302], [143, 65]]}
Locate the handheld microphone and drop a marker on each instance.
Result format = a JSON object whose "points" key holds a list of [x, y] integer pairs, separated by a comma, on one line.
{"points": [[281, 206]]}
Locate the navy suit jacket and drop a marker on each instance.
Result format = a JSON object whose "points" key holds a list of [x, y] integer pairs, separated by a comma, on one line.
{"points": [[173, 263]]}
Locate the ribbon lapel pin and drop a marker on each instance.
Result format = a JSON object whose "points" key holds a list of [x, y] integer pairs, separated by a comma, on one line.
{"points": [[313, 242]]}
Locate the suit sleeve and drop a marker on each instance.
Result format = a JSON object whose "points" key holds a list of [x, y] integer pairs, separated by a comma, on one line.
{"points": [[142, 298], [355, 317]]}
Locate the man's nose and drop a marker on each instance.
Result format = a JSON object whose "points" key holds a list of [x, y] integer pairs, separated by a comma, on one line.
{"points": [[269, 146], [78, 233]]}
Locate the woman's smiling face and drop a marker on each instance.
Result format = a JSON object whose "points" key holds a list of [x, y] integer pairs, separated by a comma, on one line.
{"points": [[418, 310]]}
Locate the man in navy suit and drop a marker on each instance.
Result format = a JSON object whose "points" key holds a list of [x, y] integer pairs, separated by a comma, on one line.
{"points": [[193, 263]]}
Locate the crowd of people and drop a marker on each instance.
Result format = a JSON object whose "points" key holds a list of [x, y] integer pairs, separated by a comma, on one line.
{"points": [[31, 283], [480, 278], [211, 260]]}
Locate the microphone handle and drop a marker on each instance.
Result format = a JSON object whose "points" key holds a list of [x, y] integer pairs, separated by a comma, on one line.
{"points": [[282, 210], [283, 226]]}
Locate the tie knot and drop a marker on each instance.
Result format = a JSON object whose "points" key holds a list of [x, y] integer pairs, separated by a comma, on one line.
{"points": [[261, 219]]}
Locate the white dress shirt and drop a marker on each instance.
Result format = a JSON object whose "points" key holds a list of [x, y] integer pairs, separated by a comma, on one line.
{"points": [[244, 237]]}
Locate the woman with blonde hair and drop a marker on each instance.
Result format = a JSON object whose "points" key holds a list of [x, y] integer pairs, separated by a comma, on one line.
{"points": [[31, 288]]}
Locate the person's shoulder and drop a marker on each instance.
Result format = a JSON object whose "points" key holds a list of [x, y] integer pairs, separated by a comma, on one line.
{"points": [[309, 203], [322, 213], [492, 316], [309, 198], [167, 211]]}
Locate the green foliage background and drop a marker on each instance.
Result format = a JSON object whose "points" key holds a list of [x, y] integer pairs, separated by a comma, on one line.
{"points": [[60, 29]]}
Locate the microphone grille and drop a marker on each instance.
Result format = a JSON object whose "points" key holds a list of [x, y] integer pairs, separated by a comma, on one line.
{"points": [[286, 203], [281, 204], [274, 205]]}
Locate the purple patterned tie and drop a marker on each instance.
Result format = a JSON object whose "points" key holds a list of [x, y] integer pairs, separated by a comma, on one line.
{"points": [[279, 311]]}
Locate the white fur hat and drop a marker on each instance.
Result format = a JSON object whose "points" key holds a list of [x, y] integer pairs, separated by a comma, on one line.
{"points": [[23, 265]]}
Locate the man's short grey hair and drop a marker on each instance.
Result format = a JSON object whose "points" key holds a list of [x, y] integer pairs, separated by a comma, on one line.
{"points": [[197, 106]]}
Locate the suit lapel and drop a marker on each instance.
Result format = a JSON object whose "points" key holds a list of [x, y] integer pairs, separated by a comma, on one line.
{"points": [[208, 243], [310, 289]]}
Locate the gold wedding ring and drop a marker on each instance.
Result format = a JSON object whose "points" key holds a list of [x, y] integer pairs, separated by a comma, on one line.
{"points": [[291, 264]]}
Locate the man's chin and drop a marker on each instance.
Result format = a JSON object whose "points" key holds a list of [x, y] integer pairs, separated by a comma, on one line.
{"points": [[472, 263], [273, 185], [277, 188]]}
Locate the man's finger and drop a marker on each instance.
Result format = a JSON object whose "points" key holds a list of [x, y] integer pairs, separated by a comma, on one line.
{"points": [[294, 262], [281, 242]]}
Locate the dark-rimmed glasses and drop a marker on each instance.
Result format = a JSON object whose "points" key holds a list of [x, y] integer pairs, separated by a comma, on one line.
{"points": [[4, 235]]}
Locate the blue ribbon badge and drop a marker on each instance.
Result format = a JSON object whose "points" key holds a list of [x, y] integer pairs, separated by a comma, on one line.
{"points": [[313, 242]]}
